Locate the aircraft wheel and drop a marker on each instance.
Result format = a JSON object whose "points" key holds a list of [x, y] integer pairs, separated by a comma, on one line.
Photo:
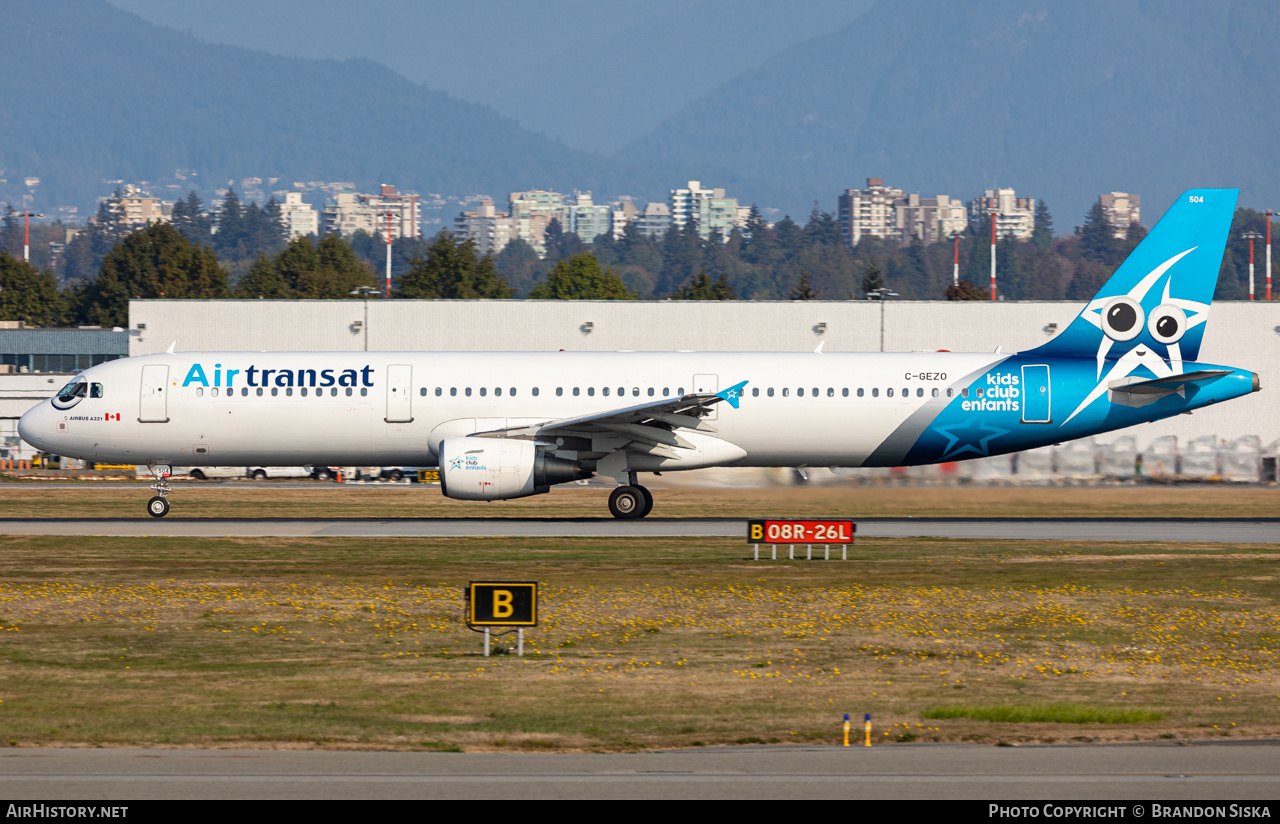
{"points": [[627, 502], [157, 507], [648, 501], [259, 474], [198, 475]]}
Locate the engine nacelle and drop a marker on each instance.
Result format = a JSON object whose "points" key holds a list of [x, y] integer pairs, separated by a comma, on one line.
{"points": [[494, 469]]}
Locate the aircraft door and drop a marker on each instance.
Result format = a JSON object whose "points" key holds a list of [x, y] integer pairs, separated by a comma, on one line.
{"points": [[399, 393], [1036, 394], [153, 402], [707, 384]]}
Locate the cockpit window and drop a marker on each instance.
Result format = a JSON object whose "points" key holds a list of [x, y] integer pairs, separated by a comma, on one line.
{"points": [[95, 390], [73, 390]]}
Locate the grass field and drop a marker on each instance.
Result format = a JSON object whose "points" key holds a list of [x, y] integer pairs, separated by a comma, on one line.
{"points": [[231, 500], [354, 643]]}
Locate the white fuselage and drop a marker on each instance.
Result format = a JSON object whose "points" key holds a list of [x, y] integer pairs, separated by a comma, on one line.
{"points": [[393, 408]]}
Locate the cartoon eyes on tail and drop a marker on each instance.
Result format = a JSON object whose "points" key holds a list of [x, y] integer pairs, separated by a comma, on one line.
{"points": [[1167, 323], [1122, 318]]}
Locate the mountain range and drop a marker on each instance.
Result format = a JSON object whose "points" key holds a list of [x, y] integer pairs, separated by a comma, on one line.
{"points": [[1061, 99]]}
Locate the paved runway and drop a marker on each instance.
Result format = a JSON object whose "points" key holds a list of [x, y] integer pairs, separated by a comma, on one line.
{"points": [[1245, 531], [1229, 772]]}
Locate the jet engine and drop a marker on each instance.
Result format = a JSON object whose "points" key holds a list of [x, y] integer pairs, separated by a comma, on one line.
{"points": [[494, 469]]}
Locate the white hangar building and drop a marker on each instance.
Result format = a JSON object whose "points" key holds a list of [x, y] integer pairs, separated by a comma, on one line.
{"points": [[1240, 334]]}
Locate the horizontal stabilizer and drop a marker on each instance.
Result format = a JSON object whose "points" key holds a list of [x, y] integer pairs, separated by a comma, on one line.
{"points": [[1131, 392]]}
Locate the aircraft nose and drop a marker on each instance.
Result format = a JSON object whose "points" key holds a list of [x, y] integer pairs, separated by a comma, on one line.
{"points": [[31, 425]]}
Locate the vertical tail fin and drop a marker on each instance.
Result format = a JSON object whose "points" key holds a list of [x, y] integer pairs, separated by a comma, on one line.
{"points": [[1160, 295]]}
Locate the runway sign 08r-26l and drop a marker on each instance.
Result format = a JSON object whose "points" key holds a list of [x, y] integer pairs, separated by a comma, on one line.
{"points": [[800, 531]]}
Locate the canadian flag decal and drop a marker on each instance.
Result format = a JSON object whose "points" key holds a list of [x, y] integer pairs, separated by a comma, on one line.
{"points": [[113, 416]]}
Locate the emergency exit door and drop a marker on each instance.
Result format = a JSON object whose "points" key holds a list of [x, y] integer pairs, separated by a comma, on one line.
{"points": [[399, 393], [153, 402]]}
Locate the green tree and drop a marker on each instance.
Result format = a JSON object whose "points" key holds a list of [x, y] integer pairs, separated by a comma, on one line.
{"points": [[263, 281], [29, 294], [452, 270], [519, 265], [190, 219], [581, 278], [702, 287], [965, 290], [872, 277], [155, 262], [1042, 231], [802, 290], [1097, 238], [337, 273]]}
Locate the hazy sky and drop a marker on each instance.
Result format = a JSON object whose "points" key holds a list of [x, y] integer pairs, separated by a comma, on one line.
{"points": [[595, 74]]}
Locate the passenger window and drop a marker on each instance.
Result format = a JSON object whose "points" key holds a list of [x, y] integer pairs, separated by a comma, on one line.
{"points": [[622, 391], [423, 391], [199, 391], [844, 392], [348, 392], [303, 391], [755, 392], [497, 391], [288, 391], [575, 391], [770, 392], [860, 392], [559, 391], [785, 391], [964, 393], [665, 391], [920, 392], [244, 391], [979, 392], [815, 391], [875, 391], [214, 391], [259, 391], [274, 391], [651, 391], [439, 391], [950, 392], [363, 391], [96, 391], [635, 392], [334, 391], [800, 392], [483, 391], [591, 391], [467, 391], [888, 393], [512, 391], [535, 391], [680, 391], [831, 392], [453, 392], [935, 391], [604, 391]]}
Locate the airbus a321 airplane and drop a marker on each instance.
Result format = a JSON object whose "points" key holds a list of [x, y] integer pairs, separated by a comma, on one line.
{"points": [[509, 424]]}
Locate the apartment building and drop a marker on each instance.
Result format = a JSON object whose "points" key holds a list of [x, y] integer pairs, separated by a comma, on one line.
{"points": [[350, 212], [300, 219], [622, 213], [584, 218], [533, 211], [929, 218], [132, 209], [1015, 216], [1122, 210], [655, 220], [710, 208], [490, 229], [869, 212]]}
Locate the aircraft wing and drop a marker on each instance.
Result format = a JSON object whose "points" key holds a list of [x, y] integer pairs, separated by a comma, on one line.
{"points": [[651, 426], [1143, 392]]}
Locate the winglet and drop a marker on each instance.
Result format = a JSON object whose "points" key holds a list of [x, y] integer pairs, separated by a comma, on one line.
{"points": [[169, 351], [733, 394]]}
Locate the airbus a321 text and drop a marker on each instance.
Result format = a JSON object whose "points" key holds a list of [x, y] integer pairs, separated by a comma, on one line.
{"points": [[507, 425]]}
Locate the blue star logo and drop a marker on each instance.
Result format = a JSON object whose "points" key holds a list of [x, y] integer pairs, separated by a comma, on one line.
{"points": [[455, 463], [968, 438]]}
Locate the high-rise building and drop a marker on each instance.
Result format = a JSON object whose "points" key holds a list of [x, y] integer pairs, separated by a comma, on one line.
{"points": [[300, 219], [1122, 210], [709, 208], [1015, 216], [869, 211], [491, 230], [655, 220], [133, 209], [533, 211], [350, 212], [929, 218], [584, 218], [622, 213]]}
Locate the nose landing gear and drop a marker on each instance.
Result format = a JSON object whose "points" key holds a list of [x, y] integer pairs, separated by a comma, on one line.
{"points": [[158, 506]]}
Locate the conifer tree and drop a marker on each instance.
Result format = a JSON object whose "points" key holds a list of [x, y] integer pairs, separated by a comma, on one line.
{"points": [[802, 290], [581, 278], [702, 287]]}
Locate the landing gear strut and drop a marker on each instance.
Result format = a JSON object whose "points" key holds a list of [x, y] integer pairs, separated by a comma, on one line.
{"points": [[158, 507]]}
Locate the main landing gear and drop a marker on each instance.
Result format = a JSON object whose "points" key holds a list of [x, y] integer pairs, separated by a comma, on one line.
{"points": [[631, 501], [158, 507]]}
